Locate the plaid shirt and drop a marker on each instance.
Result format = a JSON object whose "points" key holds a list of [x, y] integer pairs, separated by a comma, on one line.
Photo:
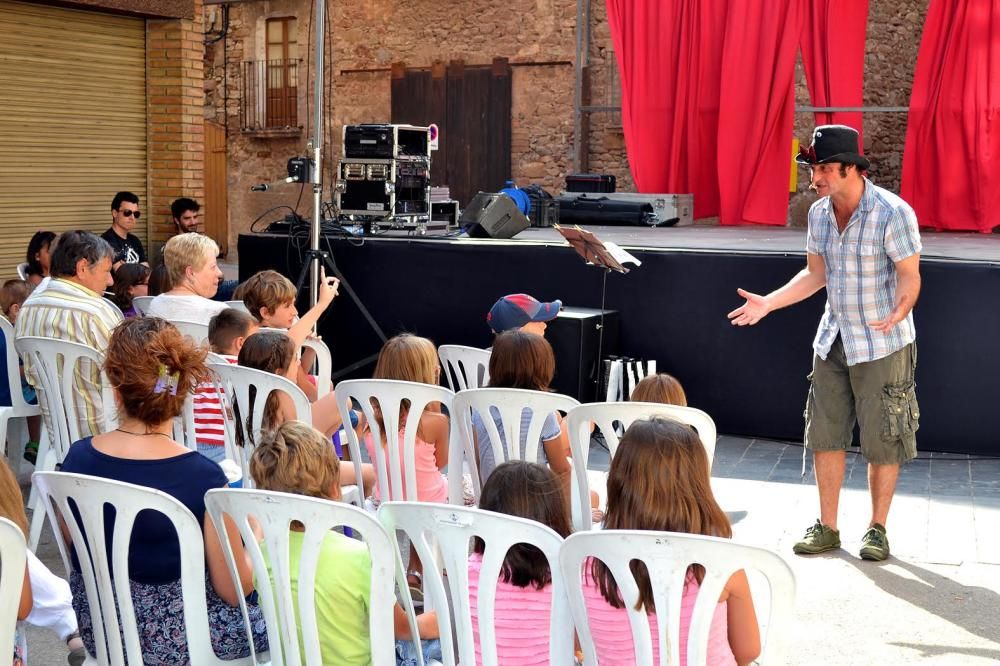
{"points": [[861, 272]]}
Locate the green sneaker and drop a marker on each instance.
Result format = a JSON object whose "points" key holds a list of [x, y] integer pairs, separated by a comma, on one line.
{"points": [[819, 539], [875, 544]]}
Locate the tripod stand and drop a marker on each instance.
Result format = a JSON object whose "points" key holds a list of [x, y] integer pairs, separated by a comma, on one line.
{"points": [[320, 258]]}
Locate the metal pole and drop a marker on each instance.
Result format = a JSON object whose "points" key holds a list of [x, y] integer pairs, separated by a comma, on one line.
{"points": [[578, 92], [317, 145]]}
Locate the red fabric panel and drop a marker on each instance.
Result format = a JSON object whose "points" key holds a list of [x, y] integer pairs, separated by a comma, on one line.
{"points": [[664, 50], [833, 52], [953, 136], [707, 101], [756, 110]]}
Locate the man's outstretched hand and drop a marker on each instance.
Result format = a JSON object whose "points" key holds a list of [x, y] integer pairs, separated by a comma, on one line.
{"points": [[751, 312]]}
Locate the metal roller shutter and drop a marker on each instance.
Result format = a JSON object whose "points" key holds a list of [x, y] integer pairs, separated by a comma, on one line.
{"points": [[72, 121]]}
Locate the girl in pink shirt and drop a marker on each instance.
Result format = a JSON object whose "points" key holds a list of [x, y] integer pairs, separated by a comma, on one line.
{"points": [[659, 480], [523, 603], [411, 358]]}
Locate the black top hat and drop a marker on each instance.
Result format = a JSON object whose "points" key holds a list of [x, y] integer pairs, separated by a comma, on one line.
{"points": [[833, 143]]}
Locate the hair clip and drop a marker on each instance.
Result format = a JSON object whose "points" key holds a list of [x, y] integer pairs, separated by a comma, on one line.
{"points": [[167, 381]]}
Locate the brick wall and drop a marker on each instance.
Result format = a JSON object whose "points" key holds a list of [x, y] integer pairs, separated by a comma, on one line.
{"points": [[175, 97]]}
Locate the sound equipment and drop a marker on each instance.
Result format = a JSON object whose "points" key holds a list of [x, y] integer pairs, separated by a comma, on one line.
{"points": [[445, 211], [583, 209], [575, 337], [590, 182], [492, 215], [386, 141]]}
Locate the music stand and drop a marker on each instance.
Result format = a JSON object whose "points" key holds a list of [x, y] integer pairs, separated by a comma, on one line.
{"points": [[605, 255]]}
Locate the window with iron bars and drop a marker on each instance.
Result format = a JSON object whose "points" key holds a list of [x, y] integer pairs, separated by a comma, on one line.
{"points": [[270, 87]]}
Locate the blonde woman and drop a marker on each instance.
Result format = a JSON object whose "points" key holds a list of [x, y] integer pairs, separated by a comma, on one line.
{"points": [[194, 273]]}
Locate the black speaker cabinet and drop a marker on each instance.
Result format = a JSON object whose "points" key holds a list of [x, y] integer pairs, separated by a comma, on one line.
{"points": [[493, 215], [574, 336]]}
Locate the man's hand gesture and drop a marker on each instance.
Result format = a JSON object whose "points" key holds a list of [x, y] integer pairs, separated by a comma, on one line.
{"points": [[751, 312]]}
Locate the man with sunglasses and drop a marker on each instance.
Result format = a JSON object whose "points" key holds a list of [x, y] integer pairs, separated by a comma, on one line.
{"points": [[124, 214]]}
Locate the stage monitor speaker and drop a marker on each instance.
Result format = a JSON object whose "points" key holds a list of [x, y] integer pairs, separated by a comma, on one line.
{"points": [[493, 215], [574, 336]]}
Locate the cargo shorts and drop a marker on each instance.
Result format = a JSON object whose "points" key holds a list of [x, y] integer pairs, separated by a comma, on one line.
{"points": [[879, 395]]}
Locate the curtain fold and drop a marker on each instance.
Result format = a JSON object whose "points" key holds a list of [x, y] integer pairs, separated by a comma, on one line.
{"points": [[953, 136], [833, 53]]}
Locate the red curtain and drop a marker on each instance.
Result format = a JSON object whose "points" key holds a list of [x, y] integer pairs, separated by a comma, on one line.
{"points": [[708, 101], [953, 131], [833, 52]]}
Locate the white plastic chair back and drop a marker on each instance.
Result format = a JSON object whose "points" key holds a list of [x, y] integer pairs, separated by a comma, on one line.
{"points": [[238, 382], [608, 417], [510, 404], [184, 428], [324, 365], [238, 305], [56, 364], [470, 366], [22, 274], [19, 410], [12, 561], [667, 556], [390, 461], [193, 329], [274, 512], [141, 304], [443, 532], [86, 526]]}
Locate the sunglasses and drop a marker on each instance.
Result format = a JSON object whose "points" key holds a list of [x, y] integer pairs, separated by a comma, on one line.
{"points": [[130, 213]]}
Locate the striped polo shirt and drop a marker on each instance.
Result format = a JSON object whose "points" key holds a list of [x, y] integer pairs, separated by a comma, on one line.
{"points": [[67, 310], [861, 272]]}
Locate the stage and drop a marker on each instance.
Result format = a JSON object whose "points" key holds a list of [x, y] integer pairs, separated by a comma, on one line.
{"points": [[752, 381]]}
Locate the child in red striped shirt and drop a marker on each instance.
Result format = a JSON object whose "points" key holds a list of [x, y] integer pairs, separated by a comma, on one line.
{"points": [[226, 333]]}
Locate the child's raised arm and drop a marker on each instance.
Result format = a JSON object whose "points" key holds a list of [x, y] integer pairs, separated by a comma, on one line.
{"points": [[301, 329]]}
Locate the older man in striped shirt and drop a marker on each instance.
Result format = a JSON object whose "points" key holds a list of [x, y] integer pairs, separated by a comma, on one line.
{"points": [[863, 245], [71, 308]]}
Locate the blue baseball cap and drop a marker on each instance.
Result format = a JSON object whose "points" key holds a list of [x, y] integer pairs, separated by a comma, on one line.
{"points": [[516, 310]]}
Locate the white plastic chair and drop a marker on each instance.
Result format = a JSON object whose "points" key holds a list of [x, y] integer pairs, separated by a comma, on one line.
{"points": [[22, 273], [608, 415], [141, 304], [90, 495], [16, 414], [389, 461], [236, 382], [193, 329], [444, 531], [238, 305], [469, 365], [274, 512], [667, 556], [184, 428], [510, 403], [12, 561], [56, 364], [324, 365]]}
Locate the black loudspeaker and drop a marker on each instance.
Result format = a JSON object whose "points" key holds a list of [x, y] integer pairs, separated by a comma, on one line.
{"points": [[493, 215], [575, 335]]}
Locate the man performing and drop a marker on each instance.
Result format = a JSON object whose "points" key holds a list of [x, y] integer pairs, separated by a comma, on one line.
{"points": [[863, 245]]}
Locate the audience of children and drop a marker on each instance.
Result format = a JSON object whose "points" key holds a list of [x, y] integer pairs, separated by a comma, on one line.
{"points": [[659, 480], [226, 333], [131, 280], [12, 297], [523, 601], [152, 368], [296, 458], [270, 298], [37, 257]]}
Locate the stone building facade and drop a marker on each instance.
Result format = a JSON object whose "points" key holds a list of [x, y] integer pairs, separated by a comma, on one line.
{"points": [[364, 41]]}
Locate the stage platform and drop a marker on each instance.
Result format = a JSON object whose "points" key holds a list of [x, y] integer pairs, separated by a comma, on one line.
{"points": [[673, 309]]}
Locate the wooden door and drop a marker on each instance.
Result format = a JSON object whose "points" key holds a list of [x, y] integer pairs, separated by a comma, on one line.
{"points": [[215, 212], [471, 106]]}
